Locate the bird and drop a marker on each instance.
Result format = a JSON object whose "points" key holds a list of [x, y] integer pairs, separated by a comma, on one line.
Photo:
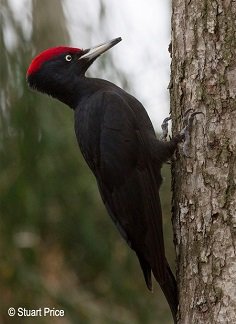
{"points": [[118, 141]]}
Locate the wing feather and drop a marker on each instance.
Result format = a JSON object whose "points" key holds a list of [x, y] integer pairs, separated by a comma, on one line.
{"points": [[115, 135], [129, 184]]}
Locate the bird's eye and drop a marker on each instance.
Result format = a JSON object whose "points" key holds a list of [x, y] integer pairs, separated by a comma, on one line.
{"points": [[68, 58]]}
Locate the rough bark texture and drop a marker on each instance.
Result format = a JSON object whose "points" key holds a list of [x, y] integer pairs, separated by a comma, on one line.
{"points": [[204, 186]]}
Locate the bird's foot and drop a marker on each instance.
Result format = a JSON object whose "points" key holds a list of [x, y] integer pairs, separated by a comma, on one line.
{"points": [[185, 133], [164, 127]]}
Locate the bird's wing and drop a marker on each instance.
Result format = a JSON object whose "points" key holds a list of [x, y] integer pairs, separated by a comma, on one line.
{"points": [[128, 182]]}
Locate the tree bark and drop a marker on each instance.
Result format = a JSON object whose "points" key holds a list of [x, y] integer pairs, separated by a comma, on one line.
{"points": [[204, 185]]}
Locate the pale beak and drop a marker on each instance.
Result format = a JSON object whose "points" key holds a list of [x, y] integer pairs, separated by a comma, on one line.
{"points": [[94, 52]]}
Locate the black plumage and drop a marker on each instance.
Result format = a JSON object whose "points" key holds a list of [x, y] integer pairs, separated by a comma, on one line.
{"points": [[118, 142]]}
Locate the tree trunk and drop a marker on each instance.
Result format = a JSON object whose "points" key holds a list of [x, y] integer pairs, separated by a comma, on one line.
{"points": [[204, 185]]}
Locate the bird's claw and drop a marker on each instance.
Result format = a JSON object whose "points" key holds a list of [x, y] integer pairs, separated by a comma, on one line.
{"points": [[164, 127], [185, 133]]}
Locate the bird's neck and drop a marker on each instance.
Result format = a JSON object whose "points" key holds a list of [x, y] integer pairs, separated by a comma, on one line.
{"points": [[83, 88]]}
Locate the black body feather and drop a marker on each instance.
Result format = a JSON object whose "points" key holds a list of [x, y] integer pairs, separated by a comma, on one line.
{"points": [[118, 142]]}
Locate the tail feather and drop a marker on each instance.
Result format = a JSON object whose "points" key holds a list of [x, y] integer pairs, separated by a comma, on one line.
{"points": [[169, 288], [167, 283]]}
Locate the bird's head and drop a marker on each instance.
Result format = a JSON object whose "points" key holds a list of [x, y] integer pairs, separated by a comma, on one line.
{"points": [[56, 70]]}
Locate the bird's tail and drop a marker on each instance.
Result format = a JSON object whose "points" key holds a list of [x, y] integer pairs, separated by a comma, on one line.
{"points": [[169, 288]]}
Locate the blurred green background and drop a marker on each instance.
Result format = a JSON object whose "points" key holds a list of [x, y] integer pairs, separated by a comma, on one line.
{"points": [[58, 247]]}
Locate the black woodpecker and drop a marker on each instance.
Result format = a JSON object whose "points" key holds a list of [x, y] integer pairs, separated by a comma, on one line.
{"points": [[119, 144]]}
